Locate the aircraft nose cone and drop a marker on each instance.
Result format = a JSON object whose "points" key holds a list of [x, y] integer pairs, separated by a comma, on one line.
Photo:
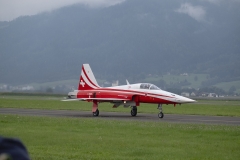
{"points": [[185, 100]]}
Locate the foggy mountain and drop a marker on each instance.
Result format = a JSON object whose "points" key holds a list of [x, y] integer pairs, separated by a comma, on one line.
{"points": [[124, 40]]}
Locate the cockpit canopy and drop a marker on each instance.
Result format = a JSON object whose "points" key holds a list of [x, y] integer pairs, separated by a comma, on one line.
{"points": [[149, 86]]}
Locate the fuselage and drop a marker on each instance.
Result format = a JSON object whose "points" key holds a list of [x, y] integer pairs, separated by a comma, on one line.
{"points": [[133, 92]]}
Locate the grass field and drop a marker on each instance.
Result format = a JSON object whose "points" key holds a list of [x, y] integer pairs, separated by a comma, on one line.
{"points": [[79, 138], [202, 107]]}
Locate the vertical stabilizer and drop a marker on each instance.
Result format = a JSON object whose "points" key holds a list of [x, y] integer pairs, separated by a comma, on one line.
{"points": [[87, 79]]}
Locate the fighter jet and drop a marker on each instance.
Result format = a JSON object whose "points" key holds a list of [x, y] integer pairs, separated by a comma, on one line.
{"points": [[130, 95]]}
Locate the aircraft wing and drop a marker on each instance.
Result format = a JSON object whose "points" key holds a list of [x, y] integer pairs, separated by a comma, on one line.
{"points": [[77, 99], [98, 99]]}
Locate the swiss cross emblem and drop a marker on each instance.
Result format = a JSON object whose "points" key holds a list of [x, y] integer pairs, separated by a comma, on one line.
{"points": [[82, 83]]}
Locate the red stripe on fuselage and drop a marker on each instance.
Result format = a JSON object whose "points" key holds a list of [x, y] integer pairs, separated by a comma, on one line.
{"points": [[123, 90], [143, 98], [129, 91]]}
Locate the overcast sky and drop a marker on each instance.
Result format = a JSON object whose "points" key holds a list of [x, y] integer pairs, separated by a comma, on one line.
{"points": [[11, 9]]}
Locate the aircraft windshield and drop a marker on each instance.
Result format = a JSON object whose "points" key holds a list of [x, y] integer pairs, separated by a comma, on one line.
{"points": [[149, 86], [153, 87]]}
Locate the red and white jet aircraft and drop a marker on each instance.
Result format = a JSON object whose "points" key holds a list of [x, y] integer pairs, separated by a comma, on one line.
{"points": [[130, 95]]}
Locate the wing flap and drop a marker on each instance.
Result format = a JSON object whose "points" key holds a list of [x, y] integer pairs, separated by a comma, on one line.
{"points": [[71, 99], [98, 99]]}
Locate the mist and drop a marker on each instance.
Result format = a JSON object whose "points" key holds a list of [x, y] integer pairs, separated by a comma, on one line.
{"points": [[12, 9]]}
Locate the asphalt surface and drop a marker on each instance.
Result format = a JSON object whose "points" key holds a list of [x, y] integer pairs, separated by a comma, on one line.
{"points": [[126, 116]]}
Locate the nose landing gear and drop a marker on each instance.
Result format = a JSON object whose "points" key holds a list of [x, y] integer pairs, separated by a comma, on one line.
{"points": [[160, 114]]}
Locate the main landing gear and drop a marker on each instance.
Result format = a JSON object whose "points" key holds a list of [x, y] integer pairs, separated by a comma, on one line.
{"points": [[134, 111], [160, 114], [96, 113], [95, 110]]}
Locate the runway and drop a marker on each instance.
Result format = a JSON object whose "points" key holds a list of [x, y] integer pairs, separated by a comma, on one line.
{"points": [[171, 118]]}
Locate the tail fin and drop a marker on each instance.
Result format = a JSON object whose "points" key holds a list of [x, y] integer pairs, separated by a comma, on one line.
{"points": [[87, 79]]}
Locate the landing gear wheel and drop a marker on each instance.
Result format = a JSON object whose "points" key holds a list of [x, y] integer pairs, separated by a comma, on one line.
{"points": [[134, 111], [96, 113], [160, 115]]}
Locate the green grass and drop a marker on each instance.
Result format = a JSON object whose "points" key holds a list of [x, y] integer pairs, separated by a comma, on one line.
{"points": [[203, 107], [80, 138]]}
